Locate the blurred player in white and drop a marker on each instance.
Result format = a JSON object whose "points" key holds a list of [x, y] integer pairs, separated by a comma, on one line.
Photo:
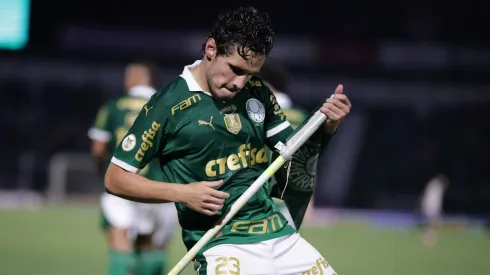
{"points": [[431, 207], [137, 233]]}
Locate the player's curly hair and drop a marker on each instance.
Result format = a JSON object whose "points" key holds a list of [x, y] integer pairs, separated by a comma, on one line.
{"points": [[246, 28]]}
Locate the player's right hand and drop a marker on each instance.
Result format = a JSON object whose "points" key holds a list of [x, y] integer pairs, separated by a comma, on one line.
{"points": [[203, 197]]}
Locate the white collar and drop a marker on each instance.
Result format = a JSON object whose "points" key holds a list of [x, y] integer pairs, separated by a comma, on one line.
{"points": [[284, 100], [190, 80], [141, 91]]}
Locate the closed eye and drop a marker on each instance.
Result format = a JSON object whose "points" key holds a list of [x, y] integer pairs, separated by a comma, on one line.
{"points": [[238, 71]]}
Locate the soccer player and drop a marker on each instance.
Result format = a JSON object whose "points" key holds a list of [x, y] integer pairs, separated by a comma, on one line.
{"points": [[136, 233], [431, 206], [209, 128]]}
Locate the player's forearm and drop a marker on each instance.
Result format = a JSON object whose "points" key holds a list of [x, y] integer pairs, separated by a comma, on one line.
{"points": [[138, 188], [99, 154]]}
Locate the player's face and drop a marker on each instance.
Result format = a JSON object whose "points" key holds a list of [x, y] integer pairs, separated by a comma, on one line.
{"points": [[227, 74]]}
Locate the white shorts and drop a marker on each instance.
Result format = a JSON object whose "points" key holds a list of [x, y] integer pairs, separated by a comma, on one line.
{"points": [[288, 255], [140, 218]]}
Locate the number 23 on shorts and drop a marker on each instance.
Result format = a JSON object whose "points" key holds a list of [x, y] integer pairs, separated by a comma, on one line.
{"points": [[227, 265]]}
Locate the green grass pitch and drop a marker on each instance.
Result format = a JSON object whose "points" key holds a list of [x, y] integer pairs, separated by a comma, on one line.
{"points": [[68, 241]]}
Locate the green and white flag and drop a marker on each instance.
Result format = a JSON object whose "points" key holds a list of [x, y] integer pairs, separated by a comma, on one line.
{"points": [[295, 182]]}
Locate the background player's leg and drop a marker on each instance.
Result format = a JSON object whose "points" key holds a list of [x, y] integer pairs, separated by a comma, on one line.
{"points": [[121, 256], [166, 224], [429, 235], [118, 216], [150, 258], [432, 212], [155, 224], [293, 255]]}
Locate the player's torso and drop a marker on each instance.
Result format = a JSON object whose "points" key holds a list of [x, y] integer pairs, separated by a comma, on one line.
{"points": [[211, 140], [124, 112]]}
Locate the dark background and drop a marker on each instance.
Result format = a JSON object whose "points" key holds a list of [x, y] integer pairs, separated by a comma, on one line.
{"points": [[416, 71]]}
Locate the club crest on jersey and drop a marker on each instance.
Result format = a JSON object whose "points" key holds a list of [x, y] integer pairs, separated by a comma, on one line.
{"points": [[128, 143], [233, 123], [255, 110]]}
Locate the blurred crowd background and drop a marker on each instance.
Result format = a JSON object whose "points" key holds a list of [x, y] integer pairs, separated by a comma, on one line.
{"points": [[417, 73]]}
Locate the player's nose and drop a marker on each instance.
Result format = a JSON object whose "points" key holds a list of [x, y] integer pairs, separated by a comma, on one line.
{"points": [[238, 82]]}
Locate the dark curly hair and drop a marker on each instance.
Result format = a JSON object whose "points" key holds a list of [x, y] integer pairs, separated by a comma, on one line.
{"points": [[247, 29]]}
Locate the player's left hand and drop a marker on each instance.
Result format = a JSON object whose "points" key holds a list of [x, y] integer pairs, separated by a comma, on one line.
{"points": [[336, 108]]}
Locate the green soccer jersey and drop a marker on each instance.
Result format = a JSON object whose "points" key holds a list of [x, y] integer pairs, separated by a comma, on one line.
{"points": [[200, 138], [116, 117]]}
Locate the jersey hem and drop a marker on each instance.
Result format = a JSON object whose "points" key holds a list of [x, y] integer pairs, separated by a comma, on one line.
{"points": [[99, 135], [274, 131], [250, 240], [124, 165]]}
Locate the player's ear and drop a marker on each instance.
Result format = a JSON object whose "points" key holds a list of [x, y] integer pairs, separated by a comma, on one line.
{"points": [[210, 49]]}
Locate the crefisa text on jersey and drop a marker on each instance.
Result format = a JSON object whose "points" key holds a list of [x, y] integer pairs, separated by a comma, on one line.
{"points": [[148, 138]]}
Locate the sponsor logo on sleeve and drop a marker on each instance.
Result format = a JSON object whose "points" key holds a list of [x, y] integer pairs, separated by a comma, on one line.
{"points": [[148, 140]]}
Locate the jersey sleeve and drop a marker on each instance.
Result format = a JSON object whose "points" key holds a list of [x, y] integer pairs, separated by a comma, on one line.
{"points": [[277, 126], [143, 141], [101, 129]]}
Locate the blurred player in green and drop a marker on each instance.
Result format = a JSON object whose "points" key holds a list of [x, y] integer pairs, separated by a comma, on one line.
{"points": [[136, 233], [210, 127], [277, 78]]}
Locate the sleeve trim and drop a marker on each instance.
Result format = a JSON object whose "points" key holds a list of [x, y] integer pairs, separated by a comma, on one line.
{"points": [[277, 129], [99, 135], [124, 165]]}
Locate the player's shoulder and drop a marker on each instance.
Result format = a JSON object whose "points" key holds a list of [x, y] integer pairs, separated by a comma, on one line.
{"points": [[258, 89], [105, 113], [127, 102], [110, 104]]}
